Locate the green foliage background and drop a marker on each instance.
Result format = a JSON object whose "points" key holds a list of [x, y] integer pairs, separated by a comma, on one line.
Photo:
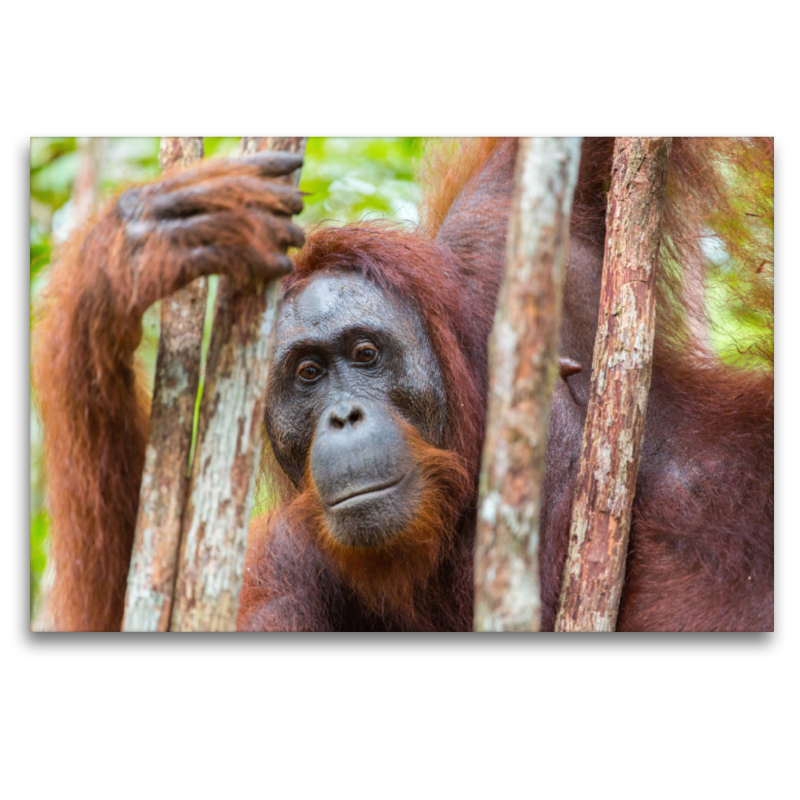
{"points": [[345, 180]]}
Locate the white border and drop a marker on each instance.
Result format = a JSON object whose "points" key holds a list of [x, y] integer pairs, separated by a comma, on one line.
{"points": [[655, 716]]}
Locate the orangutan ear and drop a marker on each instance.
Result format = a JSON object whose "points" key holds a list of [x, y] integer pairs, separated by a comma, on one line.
{"points": [[568, 366]]}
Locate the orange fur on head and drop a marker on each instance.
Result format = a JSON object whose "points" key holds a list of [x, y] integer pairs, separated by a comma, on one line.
{"points": [[387, 578]]}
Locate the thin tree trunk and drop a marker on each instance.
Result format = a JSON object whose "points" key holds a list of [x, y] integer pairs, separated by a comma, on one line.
{"points": [[522, 372], [621, 369], [228, 445], [87, 179], [151, 580]]}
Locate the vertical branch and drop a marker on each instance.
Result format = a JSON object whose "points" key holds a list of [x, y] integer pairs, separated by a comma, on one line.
{"points": [[151, 579], [621, 369], [230, 428], [522, 371], [87, 179]]}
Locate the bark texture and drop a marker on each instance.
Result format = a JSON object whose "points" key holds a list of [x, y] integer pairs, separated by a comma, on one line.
{"points": [[151, 581], [620, 384], [228, 445], [523, 368]]}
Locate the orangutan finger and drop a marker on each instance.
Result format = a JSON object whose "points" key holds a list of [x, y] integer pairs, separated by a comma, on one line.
{"points": [[226, 194], [291, 235], [272, 164], [244, 265], [265, 164], [245, 227]]}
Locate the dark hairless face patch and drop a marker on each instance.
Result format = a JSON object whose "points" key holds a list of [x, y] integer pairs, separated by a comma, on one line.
{"points": [[350, 363]]}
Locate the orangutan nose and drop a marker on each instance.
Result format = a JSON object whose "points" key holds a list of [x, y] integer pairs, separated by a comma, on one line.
{"points": [[345, 413]]}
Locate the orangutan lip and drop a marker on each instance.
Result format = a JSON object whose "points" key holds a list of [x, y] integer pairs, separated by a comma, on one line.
{"points": [[381, 487]]}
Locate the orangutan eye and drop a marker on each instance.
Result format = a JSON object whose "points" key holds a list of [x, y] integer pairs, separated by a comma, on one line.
{"points": [[366, 353], [308, 372]]}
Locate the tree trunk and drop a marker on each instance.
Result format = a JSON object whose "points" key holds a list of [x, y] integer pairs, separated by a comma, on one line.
{"points": [[151, 581], [87, 178], [522, 372], [228, 446], [621, 369]]}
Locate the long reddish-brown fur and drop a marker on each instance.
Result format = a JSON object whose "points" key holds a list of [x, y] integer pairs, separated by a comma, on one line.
{"points": [[701, 551], [396, 580], [94, 408], [417, 572], [701, 543], [693, 557], [95, 431]]}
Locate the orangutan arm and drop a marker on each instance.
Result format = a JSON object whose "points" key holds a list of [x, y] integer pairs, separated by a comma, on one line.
{"points": [[224, 217]]}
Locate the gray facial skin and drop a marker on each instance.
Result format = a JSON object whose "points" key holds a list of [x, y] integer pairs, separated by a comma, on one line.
{"points": [[350, 362]]}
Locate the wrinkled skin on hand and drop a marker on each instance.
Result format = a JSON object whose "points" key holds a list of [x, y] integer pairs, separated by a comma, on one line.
{"points": [[226, 218]]}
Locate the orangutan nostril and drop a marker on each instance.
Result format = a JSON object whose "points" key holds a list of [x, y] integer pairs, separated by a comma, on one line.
{"points": [[345, 413]]}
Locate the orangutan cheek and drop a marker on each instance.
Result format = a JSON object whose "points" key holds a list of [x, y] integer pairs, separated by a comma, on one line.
{"points": [[364, 473]]}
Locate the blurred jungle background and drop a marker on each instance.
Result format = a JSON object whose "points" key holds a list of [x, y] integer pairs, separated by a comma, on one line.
{"points": [[345, 180]]}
